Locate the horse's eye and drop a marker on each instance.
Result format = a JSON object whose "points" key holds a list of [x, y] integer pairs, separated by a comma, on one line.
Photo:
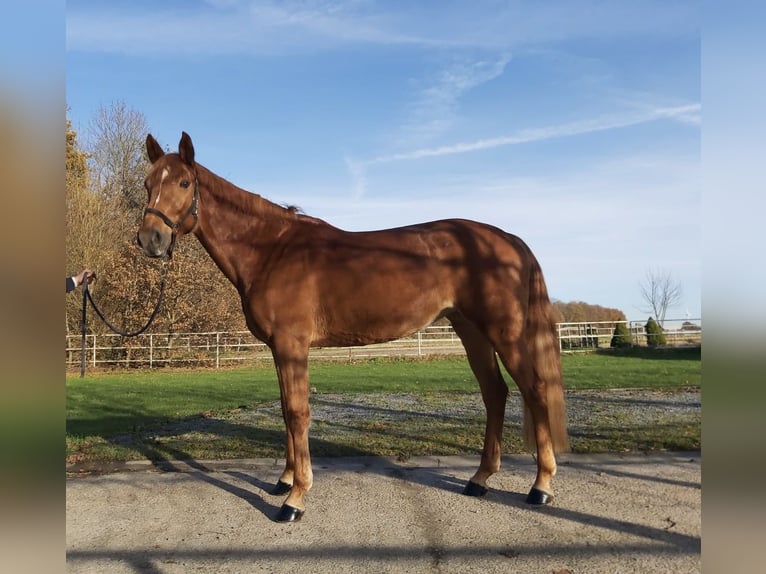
{"points": [[184, 184]]}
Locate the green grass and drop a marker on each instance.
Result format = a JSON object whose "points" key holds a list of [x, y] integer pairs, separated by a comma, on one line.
{"points": [[107, 403], [634, 368], [109, 415]]}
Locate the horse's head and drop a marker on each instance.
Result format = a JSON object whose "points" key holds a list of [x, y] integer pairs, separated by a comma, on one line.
{"points": [[171, 209]]}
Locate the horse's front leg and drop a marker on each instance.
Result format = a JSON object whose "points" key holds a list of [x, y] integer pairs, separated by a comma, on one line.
{"points": [[291, 361], [285, 482]]}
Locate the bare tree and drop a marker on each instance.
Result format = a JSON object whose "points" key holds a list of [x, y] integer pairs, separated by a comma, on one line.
{"points": [[116, 145], [660, 292], [104, 196]]}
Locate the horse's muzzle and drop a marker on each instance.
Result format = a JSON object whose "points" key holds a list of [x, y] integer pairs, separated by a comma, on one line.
{"points": [[153, 242]]}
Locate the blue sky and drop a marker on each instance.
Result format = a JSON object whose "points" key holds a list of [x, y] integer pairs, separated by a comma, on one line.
{"points": [[573, 124]]}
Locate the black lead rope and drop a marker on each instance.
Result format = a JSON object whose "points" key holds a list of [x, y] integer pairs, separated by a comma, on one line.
{"points": [[174, 225], [86, 296], [83, 324]]}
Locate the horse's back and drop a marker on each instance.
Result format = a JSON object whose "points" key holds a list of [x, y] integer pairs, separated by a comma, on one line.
{"points": [[454, 240]]}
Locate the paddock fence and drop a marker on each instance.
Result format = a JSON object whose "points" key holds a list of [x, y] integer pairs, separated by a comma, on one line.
{"points": [[587, 336], [221, 349]]}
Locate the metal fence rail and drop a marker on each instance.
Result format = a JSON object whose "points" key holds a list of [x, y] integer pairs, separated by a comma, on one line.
{"points": [[219, 349], [598, 334]]}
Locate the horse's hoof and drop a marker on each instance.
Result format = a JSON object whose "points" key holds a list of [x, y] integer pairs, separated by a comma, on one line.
{"points": [[281, 488], [538, 497], [289, 514], [473, 489]]}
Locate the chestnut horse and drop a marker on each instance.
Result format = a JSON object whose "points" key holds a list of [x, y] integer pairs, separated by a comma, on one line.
{"points": [[305, 283]]}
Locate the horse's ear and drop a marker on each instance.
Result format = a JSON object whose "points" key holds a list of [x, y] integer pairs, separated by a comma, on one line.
{"points": [[186, 149], [153, 149]]}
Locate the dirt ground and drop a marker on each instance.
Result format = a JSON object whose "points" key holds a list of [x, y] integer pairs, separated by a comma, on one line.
{"points": [[612, 513]]}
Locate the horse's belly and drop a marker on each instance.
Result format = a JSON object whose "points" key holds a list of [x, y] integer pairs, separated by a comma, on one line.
{"points": [[370, 324]]}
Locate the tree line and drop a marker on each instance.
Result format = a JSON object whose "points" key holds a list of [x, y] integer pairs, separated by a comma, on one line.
{"points": [[105, 197], [581, 312]]}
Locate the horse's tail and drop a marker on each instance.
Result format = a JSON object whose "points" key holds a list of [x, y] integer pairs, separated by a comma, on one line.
{"points": [[544, 350]]}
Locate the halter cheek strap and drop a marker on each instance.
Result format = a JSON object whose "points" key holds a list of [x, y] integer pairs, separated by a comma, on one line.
{"points": [[174, 225]]}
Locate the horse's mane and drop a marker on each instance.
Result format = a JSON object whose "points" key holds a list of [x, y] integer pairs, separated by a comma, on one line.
{"points": [[247, 202]]}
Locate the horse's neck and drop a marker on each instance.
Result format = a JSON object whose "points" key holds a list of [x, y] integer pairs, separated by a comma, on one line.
{"points": [[236, 227]]}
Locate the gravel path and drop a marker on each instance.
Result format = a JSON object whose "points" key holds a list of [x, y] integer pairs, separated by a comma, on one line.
{"points": [[412, 424], [641, 406], [598, 420]]}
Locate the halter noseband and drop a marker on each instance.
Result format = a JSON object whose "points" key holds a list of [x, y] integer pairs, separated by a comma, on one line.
{"points": [[174, 225]]}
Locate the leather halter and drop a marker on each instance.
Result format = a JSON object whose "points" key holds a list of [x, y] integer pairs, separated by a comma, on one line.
{"points": [[174, 225]]}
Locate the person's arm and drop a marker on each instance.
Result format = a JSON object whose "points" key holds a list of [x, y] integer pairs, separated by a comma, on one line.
{"points": [[70, 284]]}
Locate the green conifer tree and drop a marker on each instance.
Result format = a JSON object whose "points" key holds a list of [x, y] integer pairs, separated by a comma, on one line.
{"points": [[654, 334], [621, 337]]}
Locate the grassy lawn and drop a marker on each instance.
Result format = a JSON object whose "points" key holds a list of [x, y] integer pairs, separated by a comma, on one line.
{"points": [[122, 416], [636, 368]]}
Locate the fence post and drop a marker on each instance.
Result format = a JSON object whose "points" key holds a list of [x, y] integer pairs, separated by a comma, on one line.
{"points": [[420, 344], [151, 350], [217, 350], [94, 350]]}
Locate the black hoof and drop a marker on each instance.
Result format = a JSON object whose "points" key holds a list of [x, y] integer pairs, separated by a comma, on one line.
{"points": [[289, 514], [281, 488], [473, 489], [538, 497]]}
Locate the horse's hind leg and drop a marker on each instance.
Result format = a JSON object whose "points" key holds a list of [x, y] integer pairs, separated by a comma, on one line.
{"points": [[494, 392], [534, 392]]}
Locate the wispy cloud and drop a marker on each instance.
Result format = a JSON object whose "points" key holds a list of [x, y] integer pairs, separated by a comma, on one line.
{"points": [[233, 27], [270, 26], [587, 189], [335, 21], [687, 114], [358, 177], [436, 104]]}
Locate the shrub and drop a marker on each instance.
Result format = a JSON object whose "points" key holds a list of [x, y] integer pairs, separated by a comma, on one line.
{"points": [[621, 336], [654, 334]]}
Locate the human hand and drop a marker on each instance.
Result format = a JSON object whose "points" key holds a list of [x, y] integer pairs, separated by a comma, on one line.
{"points": [[80, 277]]}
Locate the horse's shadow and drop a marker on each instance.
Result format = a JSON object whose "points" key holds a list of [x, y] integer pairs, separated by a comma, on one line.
{"points": [[254, 483], [230, 478], [170, 459]]}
